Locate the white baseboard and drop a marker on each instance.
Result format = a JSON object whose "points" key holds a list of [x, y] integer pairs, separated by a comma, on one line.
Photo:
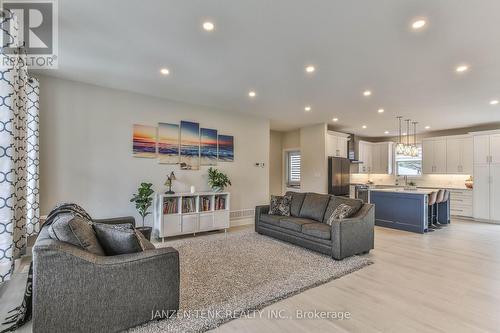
{"points": [[486, 221], [239, 222]]}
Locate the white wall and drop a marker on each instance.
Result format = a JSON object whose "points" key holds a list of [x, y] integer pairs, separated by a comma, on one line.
{"points": [[275, 163], [86, 148], [314, 169]]}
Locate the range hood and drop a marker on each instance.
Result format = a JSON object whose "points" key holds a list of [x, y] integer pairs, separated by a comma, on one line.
{"points": [[353, 149]]}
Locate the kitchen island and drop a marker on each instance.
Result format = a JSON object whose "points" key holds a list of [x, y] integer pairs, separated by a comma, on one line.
{"points": [[403, 209]]}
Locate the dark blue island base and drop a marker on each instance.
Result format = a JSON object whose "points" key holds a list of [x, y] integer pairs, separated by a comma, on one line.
{"points": [[405, 210]]}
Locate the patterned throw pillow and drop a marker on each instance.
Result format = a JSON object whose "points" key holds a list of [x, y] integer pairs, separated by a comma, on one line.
{"points": [[280, 205], [341, 212]]}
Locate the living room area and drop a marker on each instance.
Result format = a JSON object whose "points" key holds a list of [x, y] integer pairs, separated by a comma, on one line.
{"points": [[253, 166]]}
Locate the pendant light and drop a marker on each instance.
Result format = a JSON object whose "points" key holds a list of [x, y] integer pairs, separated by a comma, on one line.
{"points": [[414, 149], [407, 147], [400, 145]]}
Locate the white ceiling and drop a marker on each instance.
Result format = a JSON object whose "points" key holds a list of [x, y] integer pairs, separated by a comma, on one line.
{"points": [[265, 45]]}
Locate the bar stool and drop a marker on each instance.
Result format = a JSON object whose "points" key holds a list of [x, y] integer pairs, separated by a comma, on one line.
{"points": [[432, 197], [446, 197], [440, 198]]}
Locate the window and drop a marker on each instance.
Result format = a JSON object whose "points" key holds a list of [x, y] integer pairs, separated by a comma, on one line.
{"points": [[293, 168], [409, 166]]}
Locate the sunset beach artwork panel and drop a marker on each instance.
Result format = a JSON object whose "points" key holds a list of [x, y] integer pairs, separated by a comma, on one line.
{"points": [[144, 141], [208, 146], [168, 143], [226, 148], [190, 146]]}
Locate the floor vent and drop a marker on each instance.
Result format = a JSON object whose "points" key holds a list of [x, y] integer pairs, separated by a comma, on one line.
{"points": [[241, 214]]}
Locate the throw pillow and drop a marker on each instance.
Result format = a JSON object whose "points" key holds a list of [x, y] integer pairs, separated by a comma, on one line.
{"points": [[280, 205], [117, 239], [85, 235], [341, 212], [145, 244], [59, 229]]}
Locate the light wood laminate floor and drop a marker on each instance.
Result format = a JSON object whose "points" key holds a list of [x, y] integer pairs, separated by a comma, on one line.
{"points": [[445, 281]]}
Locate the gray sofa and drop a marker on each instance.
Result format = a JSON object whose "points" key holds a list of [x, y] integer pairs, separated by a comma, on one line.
{"points": [[307, 225], [77, 291]]}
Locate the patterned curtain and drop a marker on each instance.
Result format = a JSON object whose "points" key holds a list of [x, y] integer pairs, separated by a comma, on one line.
{"points": [[19, 150]]}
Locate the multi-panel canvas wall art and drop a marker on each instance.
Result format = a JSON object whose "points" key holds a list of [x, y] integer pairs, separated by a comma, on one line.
{"points": [[226, 148], [168, 143], [190, 146], [208, 146], [144, 141]]}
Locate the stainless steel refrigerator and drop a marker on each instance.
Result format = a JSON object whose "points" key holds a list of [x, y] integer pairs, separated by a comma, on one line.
{"points": [[338, 176]]}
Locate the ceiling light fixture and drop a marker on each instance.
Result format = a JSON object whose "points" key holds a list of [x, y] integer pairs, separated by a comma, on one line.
{"points": [[386, 132], [462, 68], [367, 93], [208, 26], [335, 119], [164, 71], [418, 24], [310, 69], [252, 94], [494, 102], [381, 110], [307, 108], [364, 126], [427, 127]]}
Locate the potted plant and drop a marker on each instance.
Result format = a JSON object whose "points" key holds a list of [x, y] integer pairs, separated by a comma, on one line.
{"points": [[143, 200], [217, 180]]}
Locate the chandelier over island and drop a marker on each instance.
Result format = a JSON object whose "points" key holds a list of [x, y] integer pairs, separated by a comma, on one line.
{"points": [[407, 148]]}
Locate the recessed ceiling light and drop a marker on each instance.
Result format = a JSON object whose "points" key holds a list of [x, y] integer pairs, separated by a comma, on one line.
{"points": [[164, 71], [418, 24], [310, 69], [494, 102], [462, 68], [252, 93], [427, 127], [386, 132], [381, 110], [364, 126], [307, 108], [335, 119], [404, 133], [367, 93], [208, 26]]}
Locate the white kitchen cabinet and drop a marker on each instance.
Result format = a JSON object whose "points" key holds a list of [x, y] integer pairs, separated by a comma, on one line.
{"points": [[459, 155], [365, 157], [336, 144], [434, 156], [377, 157], [487, 176], [461, 202]]}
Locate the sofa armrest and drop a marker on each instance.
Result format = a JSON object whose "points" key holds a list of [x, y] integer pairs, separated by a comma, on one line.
{"points": [[354, 235], [117, 220], [117, 292], [259, 210]]}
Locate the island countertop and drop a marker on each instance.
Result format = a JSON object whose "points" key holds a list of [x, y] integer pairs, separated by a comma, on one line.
{"points": [[419, 191]]}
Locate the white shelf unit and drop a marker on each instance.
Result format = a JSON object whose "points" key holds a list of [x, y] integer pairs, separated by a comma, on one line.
{"points": [[190, 213]]}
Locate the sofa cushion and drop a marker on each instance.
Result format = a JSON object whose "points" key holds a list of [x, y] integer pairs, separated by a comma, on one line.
{"points": [[294, 223], [86, 236], [314, 206], [271, 219], [280, 205], [317, 229], [145, 244], [117, 239], [355, 205], [297, 201]]}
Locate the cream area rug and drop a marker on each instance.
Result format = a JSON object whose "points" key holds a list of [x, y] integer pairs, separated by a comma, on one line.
{"points": [[223, 278]]}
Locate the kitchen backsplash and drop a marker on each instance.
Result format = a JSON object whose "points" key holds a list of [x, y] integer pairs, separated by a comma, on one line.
{"points": [[457, 181]]}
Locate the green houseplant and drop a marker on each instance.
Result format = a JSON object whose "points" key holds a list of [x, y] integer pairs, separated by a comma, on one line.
{"points": [[217, 180], [143, 199]]}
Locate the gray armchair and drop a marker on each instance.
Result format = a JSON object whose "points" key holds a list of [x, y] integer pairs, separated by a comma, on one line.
{"points": [[77, 291]]}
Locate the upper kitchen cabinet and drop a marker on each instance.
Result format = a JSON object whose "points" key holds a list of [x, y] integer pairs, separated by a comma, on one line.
{"points": [[336, 144], [459, 155], [376, 158], [434, 156]]}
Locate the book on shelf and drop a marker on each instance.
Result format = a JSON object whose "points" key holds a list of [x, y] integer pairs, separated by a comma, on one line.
{"points": [[205, 204], [220, 202], [189, 205], [170, 206]]}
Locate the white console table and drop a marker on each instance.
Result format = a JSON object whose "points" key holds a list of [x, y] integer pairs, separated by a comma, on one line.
{"points": [[190, 213]]}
